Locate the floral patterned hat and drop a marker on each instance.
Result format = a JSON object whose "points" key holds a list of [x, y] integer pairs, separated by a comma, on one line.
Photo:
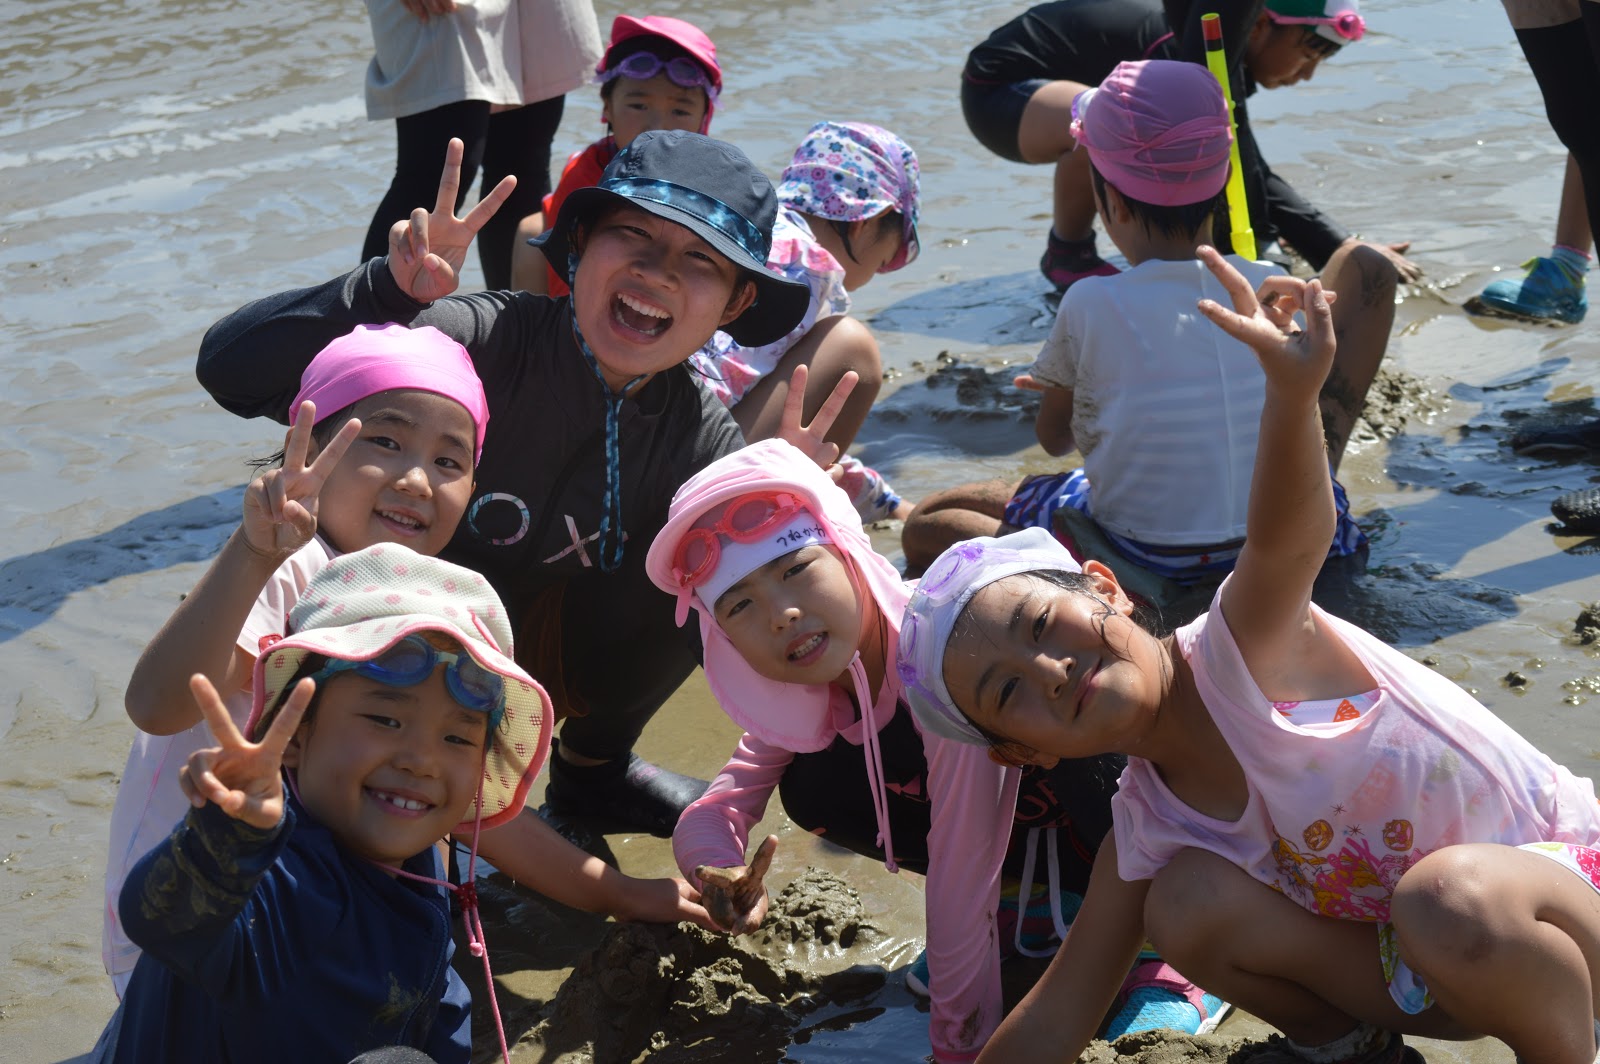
{"points": [[845, 171]]}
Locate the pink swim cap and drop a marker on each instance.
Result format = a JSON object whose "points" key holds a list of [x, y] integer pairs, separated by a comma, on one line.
{"points": [[1157, 130], [385, 358]]}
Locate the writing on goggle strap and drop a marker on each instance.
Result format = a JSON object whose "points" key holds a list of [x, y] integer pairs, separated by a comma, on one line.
{"points": [[413, 659], [642, 66]]}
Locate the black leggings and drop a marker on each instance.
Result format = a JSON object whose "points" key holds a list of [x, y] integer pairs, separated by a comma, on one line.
{"points": [[1566, 63], [826, 793], [507, 142]]}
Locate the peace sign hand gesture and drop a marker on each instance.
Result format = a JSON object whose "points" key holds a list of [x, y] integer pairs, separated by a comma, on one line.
{"points": [[426, 250], [812, 438], [280, 506], [241, 778]]}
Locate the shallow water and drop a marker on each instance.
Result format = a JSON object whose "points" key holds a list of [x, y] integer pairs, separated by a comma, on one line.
{"points": [[164, 163]]}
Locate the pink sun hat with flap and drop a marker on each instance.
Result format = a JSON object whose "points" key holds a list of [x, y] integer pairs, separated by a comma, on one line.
{"points": [[363, 603], [795, 716], [384, 358], [1157, 130]]}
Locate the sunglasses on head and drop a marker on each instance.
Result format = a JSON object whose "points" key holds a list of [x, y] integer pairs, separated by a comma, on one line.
{"points": [[1347, 24], [744, 521], [682, 72], [413, 659]]}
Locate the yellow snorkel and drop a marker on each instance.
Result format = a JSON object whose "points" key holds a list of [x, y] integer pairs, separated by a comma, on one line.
{"points": [[1243, 237]]}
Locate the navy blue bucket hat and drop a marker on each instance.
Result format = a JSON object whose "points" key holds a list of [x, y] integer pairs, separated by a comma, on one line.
{"points": [[710, 188]]}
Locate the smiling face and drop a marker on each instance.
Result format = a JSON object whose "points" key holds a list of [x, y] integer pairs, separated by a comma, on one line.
{"points": [[649, 292], [389, 770], [797, 618], [407, 478], [634, 106], [1055, 672]]}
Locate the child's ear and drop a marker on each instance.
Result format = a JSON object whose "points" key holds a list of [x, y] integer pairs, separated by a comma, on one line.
{"points": [[1115, 206], [1106, 585], [744, 295]]}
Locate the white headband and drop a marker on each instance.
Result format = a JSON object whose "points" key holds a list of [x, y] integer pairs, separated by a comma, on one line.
{"points": [[738, 560]]}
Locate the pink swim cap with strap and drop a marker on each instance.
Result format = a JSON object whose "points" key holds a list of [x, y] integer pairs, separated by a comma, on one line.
{"points": [[1158, 130]]}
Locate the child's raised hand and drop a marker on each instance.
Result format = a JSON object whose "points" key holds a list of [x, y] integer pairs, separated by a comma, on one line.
{"points": [[280, 506], [812, 438], [1296, 360], [736, 897], [426, 251], [242, 778], [1029, 383]]}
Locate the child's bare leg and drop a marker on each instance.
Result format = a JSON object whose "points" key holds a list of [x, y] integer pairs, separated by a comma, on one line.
{"points": [[1510, 939], [832, 348], [1043, 137], [1362, 317], [952, 515], [1312, 977]]}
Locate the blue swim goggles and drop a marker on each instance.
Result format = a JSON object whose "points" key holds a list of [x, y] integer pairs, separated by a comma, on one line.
{"points": [[413, 659]]}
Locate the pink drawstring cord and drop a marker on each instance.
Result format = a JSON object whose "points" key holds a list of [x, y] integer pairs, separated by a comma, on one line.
{"points": [[467, 894]]}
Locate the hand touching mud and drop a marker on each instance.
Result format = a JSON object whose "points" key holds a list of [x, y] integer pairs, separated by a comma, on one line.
{"points": [[736, 897]]}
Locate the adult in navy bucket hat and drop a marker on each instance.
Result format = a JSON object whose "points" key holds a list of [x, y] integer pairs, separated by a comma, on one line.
{"points": [[595, 422], [710, 188]]}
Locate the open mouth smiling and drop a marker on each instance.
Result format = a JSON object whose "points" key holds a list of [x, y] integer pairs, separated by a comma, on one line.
{"points": [[639, 316]]}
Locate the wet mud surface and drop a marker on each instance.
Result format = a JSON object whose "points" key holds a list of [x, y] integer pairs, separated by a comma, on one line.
{"points": [[685, 994]]}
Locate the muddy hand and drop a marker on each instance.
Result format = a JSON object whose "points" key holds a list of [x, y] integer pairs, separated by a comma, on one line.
{"points": [[736, 897]]}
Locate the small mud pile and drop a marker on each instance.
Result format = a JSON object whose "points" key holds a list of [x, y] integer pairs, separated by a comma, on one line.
{"points": [[960, 389], [1586, 629], [1396, 398], [682, 993], [1169, 1047]]}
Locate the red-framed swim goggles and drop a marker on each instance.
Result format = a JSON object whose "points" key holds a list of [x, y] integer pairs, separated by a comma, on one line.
{"points": [[681, 71], [1347, 24], [745, 520]]}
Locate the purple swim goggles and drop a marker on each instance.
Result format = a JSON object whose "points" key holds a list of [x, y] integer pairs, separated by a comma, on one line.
{"points": [[681, 71]]}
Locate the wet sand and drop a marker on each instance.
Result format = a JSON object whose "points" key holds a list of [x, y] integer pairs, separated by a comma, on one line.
{"points": [[164, 164]]}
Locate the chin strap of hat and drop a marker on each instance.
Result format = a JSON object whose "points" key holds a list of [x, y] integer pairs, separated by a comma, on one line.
{"points": [[872, 751], [466, 893], [611, 534]]}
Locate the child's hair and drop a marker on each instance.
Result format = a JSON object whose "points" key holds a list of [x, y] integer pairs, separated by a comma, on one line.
{"points": [[843, 172], [373, 359], [361, 605], [1157, 131], [1181, 221], [667, 39]]}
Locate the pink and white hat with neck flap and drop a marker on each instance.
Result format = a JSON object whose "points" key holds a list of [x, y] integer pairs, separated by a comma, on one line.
{"points": [[803, 718]]}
